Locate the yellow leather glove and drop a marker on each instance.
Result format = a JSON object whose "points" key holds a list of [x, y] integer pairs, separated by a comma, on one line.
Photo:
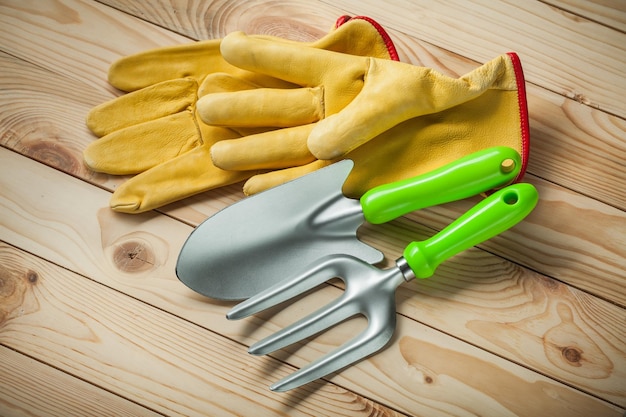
{"points": [[358, 97], [393, 119], [422, 144], [154, 130]]}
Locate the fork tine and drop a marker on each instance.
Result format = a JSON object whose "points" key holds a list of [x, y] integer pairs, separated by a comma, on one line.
{"points": [[322, 319], [326, 268], [373, 338]]}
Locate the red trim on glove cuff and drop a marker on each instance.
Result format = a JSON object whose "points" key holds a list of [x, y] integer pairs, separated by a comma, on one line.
{"points": [[523, 111]]}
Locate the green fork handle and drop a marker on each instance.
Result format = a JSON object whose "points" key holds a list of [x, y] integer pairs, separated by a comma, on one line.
{"points": [[468, 176], [492, 216]]}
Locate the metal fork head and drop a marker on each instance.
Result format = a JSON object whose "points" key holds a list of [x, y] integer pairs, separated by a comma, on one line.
{"points": [[369, 291]]}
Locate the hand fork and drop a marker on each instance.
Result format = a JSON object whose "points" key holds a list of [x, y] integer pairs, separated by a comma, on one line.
{"points": [[370, 291]]}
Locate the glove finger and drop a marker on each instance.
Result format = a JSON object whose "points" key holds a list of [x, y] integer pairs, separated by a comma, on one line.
{"points": [[262, 182], [149, 144], [140, 147], [276, 149], [221, 82], [359, 122], [359, 35], [187, 175], [262, 107], [425, 91], [374, 110], [193, 60], [291, 62], [150, 103]]}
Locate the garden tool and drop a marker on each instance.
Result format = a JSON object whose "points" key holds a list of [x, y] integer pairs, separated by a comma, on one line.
{"points": [[154, 130], [370, 291], [248, 246]]}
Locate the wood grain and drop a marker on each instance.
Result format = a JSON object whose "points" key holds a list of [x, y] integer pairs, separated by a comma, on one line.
{"points": [[538, 312], [588, 253], [31, 388], [83, 328], [577, 147], [306, 21], [611, 13], [480, 299], [137, 352], [96, 30]]}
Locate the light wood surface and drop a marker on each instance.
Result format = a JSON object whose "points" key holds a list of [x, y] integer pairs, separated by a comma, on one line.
{"points": [[93, 320]]}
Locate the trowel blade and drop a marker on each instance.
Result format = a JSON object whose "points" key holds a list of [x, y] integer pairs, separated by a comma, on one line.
{"points": [[256, 242]]}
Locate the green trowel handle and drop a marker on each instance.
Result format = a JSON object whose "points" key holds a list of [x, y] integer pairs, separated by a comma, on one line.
{"points": [[470, 175], [492, 216]]}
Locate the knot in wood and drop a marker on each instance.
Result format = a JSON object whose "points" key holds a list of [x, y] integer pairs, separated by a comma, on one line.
{"points": [[53, 154], [572, 354], [32, 277], [133, 256], [13, 289], [7, 284]]}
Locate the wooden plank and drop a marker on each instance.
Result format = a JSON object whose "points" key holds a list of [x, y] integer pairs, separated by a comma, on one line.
{"points": [[293, 19], [162, 361], [49, 33], [578, 147], [31, 388], [67, 222], [144, 354], [611, 13]]}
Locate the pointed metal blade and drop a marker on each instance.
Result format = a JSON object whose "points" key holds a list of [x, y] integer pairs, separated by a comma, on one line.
{"points": [[256, 242]]}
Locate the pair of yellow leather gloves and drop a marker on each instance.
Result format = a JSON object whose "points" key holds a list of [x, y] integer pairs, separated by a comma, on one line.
{"points": [[268, 110]]}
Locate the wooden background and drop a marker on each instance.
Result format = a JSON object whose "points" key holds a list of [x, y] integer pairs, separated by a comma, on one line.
{"points": [[94, 322]]}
